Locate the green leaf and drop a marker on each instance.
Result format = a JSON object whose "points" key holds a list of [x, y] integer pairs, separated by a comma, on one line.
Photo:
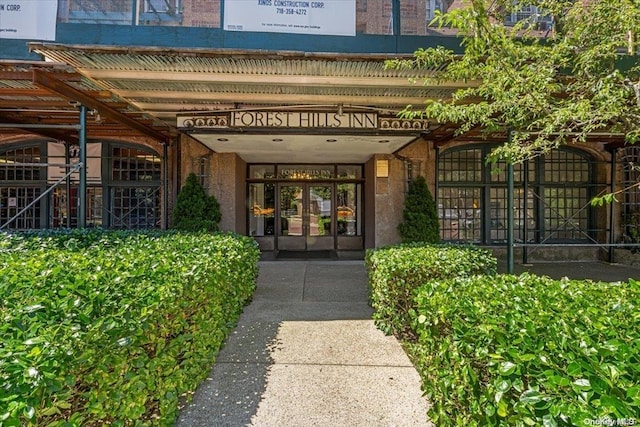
{"points": [[507, 368], [53, 410], [582, 383], [549, 421], [531, 397], [502, 409]]}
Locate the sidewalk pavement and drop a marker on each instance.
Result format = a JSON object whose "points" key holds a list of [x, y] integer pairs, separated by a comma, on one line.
{"points": [[306, 353]]}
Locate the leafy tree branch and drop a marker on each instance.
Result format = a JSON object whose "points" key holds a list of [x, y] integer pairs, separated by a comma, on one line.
{"points": [[548, 88]]}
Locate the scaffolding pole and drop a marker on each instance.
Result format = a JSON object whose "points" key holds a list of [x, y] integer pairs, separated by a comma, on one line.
{"points": [[82, 188]]}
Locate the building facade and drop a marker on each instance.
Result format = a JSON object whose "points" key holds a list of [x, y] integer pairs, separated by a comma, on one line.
{"points": [[285, 112]]}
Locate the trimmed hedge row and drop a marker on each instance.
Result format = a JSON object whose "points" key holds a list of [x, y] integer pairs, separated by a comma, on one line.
{"points": [[396, 272], [114, 327], [501, 350], [528, 350]]}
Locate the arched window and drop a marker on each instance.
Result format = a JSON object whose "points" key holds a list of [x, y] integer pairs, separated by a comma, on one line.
{"points": [[551, 201], [124, 184]]}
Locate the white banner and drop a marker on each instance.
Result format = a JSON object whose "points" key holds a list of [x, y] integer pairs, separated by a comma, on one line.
{"points": [[28, 19], [326, 17]]}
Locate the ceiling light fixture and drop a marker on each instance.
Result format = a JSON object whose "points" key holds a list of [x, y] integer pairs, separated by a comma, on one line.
{"points": [[383, 141], [223, 139], [332, 140]]}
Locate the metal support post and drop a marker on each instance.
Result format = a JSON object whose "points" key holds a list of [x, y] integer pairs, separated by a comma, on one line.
{"points": [[524, 212], [510, 265], [611, 206], [82, 188], [165, 186]]}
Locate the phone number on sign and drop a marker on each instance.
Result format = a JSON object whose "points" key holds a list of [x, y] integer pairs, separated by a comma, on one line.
{"points": [[283, 11]]}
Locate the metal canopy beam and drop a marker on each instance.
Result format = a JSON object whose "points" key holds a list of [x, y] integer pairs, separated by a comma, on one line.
{"points": [[45, 80], [267, 79], [161, 97], [59, 134]]}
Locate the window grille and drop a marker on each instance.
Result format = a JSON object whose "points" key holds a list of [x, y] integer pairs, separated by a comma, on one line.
{"points": [[553, 206], [202, 169], [134, 193], [629, 158], [22, 179]]}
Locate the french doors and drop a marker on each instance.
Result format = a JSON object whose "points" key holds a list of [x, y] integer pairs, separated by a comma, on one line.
{"points": [[306, 217]]}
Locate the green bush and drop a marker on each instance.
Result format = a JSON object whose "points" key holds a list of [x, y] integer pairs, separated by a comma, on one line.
{"points": [[396, 272], [194, 210], [529, 351], [114, 327], [420, 216]]}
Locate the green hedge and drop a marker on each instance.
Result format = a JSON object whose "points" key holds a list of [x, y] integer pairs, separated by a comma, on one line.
{"points": [[395, 272], [525, 351], [114, 327]]}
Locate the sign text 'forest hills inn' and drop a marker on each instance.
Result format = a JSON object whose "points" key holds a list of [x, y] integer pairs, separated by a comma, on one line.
{"points": [[282, 119], [298, 120]]}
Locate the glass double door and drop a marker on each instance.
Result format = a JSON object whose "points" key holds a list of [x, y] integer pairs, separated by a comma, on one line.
{"points": [[306, 217]]}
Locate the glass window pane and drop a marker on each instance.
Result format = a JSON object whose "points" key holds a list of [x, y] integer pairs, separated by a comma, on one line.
{"points": [[498, 172], [18, 164], [291, 210], [460, 213], [261, 209], [461, 166], [566, 213], [135, 207], [262, 171], [130, 164], [565, 166], [629, 159], [347, 214], [13, 200], [64, 209], [319, 208], [498, 216], [349, 171], [56, 155]]}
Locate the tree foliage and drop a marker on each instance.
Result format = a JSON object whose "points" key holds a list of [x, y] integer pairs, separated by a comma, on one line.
{"points": [[581, 77], [194, 209], [420, 217]]}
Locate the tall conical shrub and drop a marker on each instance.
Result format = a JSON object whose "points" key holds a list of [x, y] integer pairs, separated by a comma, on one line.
{"points": [[194, 209], [420, 216]]}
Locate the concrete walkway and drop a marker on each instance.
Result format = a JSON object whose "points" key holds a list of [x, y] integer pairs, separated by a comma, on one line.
{"points": [[305, 353]]}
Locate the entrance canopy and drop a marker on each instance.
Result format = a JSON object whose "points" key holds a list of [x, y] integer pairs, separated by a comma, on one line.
{"points": [[154, 88], [303, 135]]}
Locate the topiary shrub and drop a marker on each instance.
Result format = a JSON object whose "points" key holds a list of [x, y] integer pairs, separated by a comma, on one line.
{"points": [[194, 209], [420, 217]]}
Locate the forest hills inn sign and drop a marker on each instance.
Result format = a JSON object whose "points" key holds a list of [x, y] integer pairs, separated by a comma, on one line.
{"points": [[318, 120]]}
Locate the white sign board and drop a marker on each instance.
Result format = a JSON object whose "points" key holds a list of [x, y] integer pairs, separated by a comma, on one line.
{"points": [[28, 19], [322, 17]]}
